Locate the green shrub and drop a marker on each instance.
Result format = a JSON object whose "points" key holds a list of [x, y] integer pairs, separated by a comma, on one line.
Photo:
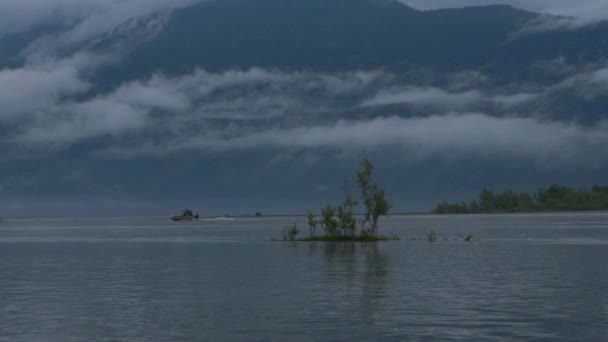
{"points": [[374, 198], [340, 223], [312, 224], [329, 222], [290, 233]]}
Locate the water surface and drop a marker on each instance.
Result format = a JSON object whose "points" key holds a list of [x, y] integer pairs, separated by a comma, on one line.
{"points": [[528, 278]]}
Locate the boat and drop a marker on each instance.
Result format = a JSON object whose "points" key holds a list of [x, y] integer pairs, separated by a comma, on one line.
{"points": [[185, 215]]}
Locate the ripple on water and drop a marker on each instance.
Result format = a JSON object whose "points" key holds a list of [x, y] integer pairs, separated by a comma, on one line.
{"points": [[225, 281]]}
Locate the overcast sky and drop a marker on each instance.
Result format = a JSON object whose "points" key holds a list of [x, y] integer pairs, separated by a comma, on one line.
{"points": [[46, 109]]}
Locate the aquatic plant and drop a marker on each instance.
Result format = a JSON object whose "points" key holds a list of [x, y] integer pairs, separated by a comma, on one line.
{"points": [[312, 224], [339, 223], [431, 236], [374, 198], [467, 238], [290, 233], [346, 216], [329, 222]]}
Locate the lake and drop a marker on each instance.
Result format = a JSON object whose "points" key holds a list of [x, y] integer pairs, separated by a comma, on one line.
{"points": [[537, 277]]}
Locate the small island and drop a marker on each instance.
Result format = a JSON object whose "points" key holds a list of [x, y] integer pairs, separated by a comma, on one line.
{"points": [[339, 222], [553, 199]]}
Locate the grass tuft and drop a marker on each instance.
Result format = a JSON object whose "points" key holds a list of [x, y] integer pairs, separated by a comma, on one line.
{"points": [[467, 238], [290, 233], [431, 236]]}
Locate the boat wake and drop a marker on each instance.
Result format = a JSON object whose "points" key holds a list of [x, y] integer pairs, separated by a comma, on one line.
{"points": [[219, 218]]}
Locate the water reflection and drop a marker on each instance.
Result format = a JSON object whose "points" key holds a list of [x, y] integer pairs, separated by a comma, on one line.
{"points": [[374, 282], [360, 270], [227, 283]]}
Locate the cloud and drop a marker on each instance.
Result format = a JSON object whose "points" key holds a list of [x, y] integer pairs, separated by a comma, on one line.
{"points": [[439, 98], [599, 77], [77, 23], [446, 136], [596, 79], [89, 17], [548, 23], [61, 113], [425, 97], [588, 87], [259, 108], [27, 91], [202, 101], [514, 99]]}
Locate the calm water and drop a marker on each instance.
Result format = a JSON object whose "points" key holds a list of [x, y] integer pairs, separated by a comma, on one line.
{"points": [[528, 278]]}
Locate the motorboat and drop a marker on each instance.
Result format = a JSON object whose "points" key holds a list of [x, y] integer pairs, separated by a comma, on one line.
{"points": [[185, 215]]}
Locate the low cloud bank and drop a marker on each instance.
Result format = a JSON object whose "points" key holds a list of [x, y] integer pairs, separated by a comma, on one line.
{"points": [[436, 97], [48, 106], [61, 112], [448, 136]]}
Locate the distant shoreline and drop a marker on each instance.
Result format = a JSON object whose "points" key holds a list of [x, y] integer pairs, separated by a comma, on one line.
{"points": [[555, 198], [410, 214], [430, 213]]}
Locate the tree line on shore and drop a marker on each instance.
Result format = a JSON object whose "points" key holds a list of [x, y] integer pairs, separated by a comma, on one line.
{"points": [[554, 198]]}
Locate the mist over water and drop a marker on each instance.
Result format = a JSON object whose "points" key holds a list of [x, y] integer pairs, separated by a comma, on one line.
{"points": [[528, 277]]}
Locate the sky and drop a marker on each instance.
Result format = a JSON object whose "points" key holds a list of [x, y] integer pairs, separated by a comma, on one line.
{"points": [[238, 115]]}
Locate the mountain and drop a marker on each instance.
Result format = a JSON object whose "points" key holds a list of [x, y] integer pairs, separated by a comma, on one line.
{"points": [[323, 35], [357, 34], [424, 48], [332, 36]]}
